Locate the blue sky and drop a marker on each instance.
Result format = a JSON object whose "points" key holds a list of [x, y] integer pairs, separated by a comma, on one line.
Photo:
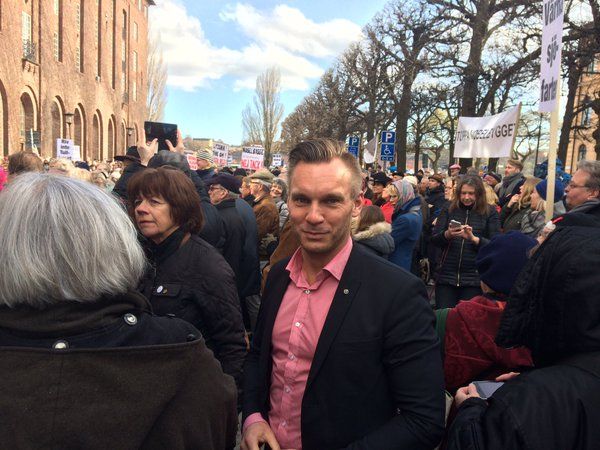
{"points": [[214, 51]]}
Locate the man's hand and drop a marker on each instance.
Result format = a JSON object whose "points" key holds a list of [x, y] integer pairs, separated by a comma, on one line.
{"points": [[464, 393], [507, 376], [180, 148], [146, 149], [259, 433]]}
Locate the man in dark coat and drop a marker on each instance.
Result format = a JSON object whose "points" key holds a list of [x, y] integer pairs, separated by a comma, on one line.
{"points": [[512, 181], [331, 365], [435, 196], [554, 311], [583, 191], [222, 190]]}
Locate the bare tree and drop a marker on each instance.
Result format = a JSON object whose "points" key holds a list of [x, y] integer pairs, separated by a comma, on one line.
{"points": [[267, 112], [157, 80]]}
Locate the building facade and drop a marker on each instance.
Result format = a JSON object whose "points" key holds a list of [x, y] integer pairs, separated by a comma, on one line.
{"points": [[72, 69], [582, 144]]}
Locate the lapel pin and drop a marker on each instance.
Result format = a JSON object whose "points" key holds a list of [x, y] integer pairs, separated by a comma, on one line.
{"points": [[346, 291]]}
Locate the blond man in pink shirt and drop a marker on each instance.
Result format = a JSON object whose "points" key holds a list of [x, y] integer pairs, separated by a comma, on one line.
{"points": [[345, 354]]}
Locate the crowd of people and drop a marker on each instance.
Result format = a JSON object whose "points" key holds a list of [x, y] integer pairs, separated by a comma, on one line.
{"points": [[145, 304]]}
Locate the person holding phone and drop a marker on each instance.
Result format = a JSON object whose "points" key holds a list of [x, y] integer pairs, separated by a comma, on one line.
{"points": [[461, 229]]}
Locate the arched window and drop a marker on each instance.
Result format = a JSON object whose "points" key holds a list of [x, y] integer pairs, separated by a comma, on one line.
{"points": [[3, 122], [111, 138], [79, 131], [96, 144], [56, 115], [581, 153], [28, 121]]}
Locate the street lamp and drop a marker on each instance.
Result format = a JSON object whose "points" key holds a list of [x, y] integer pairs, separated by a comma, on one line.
{"points": [[69, 120], [129, 134]]}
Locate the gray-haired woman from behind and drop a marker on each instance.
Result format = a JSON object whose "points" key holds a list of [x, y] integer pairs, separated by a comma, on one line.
{"points": [[83, 361]]}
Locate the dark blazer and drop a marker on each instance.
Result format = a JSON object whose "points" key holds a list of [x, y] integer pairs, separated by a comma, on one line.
{"points": [[376, 378]]}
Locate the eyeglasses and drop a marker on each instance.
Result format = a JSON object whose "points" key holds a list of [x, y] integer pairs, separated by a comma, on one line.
{"points": [[572, 185]]}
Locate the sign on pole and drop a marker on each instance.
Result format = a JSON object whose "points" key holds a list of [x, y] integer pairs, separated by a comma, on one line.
{"points": [[65, 148], [552, 17], [253, 157], [353, 145], [220, 154], [388, 140], [192, 160], [487, 137], [277, 160]]}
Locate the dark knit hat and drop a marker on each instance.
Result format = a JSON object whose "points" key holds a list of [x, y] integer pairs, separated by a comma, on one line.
{"points": [[228, 181], [380, 178], [131, 155], [437, 177], [501, 260], [559, 189], [495, 176]]}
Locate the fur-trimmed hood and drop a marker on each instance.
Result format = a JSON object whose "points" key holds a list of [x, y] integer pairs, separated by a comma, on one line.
{"points": [[374, 230], [377, 238]]}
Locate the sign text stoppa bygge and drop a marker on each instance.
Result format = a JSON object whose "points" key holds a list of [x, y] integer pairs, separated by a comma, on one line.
{"points": [[505, 130]]}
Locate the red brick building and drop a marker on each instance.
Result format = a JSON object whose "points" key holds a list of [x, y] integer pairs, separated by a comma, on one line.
{"points": [[72, 69]]}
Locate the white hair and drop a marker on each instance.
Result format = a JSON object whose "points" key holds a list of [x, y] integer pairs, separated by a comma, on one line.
{"points": [[64, 239]]}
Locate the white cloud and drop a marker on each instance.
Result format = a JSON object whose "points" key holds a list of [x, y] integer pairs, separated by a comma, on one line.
{"points": [[284, 38]]}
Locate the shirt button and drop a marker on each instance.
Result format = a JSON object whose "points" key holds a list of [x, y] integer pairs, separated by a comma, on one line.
{"points": [[287, 390], [298, 324], [284, 423], [307, 291], [291, 356]]}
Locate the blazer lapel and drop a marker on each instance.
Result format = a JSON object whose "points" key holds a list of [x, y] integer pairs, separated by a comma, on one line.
{"points": [[342, 300]]}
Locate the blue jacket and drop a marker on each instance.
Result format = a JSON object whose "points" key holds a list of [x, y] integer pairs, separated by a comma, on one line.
{"points": [[407, 224]]}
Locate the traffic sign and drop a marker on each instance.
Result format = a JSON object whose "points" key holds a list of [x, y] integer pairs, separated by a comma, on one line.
{"points": [[353, 145], [388, 139]]}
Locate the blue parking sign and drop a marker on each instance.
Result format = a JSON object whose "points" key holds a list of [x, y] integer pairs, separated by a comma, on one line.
{"points": [[353, 145]]}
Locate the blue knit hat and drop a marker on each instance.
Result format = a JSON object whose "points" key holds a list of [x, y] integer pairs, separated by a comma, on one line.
{"points": [[559, 189], [501, 260]]}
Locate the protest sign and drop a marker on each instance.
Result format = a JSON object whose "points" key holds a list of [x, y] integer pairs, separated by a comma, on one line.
{"points": [[65, 148], [277, 160], [253, 157], [220, 154], [192, 160], [76, 153], [487, 137], [552, 18]]}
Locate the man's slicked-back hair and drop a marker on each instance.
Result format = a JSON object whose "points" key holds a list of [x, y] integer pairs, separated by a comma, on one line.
{"points": [[323, 150], [64, 239]]}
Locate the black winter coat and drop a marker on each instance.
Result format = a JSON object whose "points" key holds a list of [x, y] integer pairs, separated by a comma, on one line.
{"points": [[457, 265], [250, 270], [437, 199], [554, 408], [193, 282], [235, 237], [109, 374]]}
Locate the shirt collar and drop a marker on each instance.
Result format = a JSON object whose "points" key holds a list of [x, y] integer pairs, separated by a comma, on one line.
{"points": [[335, 267]]}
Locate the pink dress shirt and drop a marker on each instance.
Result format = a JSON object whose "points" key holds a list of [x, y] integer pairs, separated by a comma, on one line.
{"points": [[296, 332]]}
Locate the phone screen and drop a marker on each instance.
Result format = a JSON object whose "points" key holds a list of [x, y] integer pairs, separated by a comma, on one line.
{"points": [[486, 389], [162, 132]]}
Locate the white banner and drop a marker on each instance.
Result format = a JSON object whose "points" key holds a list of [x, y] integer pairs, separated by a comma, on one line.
{"points": [[552, 18], [65, 148], [487, 137], [220, 154], [370, 149], [277, 160], [253, 157]]}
